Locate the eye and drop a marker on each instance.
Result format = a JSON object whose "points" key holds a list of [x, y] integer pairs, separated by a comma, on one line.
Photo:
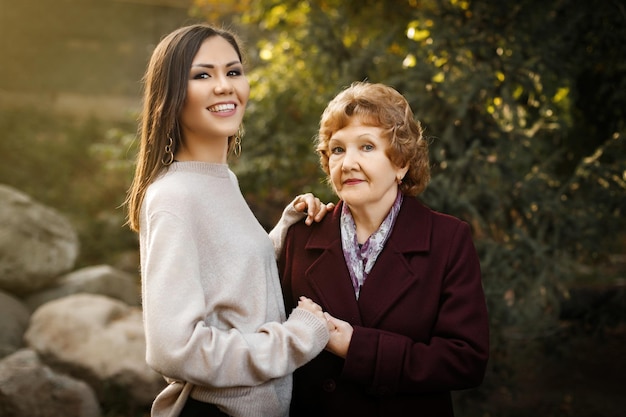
{"points": [[235, 72], [201, 76], [368, 147], [336, 150]]}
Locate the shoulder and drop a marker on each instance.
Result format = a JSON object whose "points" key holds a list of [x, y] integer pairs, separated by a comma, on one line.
{"points": [[318, 234], [167, 190], [421, 227], [447, 220], [418, 209], [179, 194]]}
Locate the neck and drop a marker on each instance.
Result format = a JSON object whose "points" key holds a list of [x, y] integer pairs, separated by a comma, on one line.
{"points": [[369, 217], [213, 151], [367, 221]]}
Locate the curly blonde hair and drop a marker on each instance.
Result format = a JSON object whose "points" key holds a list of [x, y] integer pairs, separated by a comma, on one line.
{"points": [[381, 106]]}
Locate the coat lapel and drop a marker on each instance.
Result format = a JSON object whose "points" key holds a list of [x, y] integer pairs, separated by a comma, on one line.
{"points": [[392, 274], [328, 275]]}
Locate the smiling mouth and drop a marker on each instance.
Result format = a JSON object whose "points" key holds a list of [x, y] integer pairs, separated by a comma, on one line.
{"points": [[222, 107]]}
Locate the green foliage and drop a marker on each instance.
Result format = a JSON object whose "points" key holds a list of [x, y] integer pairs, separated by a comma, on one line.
{"points": [[524, 105], [77, 167]]}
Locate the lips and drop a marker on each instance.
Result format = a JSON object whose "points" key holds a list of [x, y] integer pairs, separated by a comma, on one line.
{"points": [[222, 108], [352, 181]]}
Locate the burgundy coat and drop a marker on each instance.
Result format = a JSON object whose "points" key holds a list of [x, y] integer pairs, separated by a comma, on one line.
{"points": [[420, 324]]}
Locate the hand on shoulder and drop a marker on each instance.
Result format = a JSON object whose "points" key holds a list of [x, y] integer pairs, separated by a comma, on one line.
{"points": [[312, 207]]}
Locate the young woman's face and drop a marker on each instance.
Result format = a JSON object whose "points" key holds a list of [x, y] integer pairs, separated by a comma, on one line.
{"points": [[217, 93], [360, 171]]}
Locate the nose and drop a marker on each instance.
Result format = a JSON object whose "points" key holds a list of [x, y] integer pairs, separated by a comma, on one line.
{"points": [[223, 85], [349, 161]]}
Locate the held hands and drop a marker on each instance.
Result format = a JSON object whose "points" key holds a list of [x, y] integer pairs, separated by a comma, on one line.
{"points": [[312, 307], [340, 331], [340, 336], [312, 206]]}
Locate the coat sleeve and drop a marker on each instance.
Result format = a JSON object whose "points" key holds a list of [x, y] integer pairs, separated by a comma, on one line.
{"points": [[454, 356]]}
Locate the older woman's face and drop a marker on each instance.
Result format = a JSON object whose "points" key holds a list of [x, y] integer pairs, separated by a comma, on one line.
{"points": [[360, 171]]}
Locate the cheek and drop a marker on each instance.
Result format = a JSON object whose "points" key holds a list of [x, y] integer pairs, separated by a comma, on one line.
{"points": [[190, 102], [244, 92], [185, 111], [335, 174]]}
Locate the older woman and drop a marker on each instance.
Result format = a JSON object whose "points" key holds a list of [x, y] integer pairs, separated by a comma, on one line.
{"points": [[402, 280]]}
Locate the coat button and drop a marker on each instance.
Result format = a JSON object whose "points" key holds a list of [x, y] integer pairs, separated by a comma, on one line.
{"points": [[329, 385]]}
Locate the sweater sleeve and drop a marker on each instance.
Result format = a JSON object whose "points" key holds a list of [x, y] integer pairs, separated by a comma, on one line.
{"points": [[289, 217], [184, 340]]}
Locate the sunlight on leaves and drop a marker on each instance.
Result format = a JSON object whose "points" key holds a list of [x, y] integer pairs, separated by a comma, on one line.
{"points": [[409, 61], [561, 94], [439, 77]]}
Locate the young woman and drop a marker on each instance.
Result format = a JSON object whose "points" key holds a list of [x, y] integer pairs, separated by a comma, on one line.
{"points": [[404, 279], [214, 317]]}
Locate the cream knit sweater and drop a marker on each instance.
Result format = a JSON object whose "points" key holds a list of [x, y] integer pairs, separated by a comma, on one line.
{"points": [[213, 309]]}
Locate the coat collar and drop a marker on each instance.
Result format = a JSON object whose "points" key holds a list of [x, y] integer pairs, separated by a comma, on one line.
{"points": [[389, 278], [411, 232]]}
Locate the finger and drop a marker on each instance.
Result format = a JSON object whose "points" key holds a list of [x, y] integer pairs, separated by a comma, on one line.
{"points": [[336, 322], [321, 213], [330, 326], [300, 206], [312, 215], [314, 206], [331, 323], [324, 209], [329, 318]]}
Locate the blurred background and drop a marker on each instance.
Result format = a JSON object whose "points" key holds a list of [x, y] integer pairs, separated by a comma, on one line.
{"points": [[524, 103]]}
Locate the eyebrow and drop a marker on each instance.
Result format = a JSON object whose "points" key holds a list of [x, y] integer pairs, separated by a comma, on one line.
{"points": [[361, 136], [230, 64]]}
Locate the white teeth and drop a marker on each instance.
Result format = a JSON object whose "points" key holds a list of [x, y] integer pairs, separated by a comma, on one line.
{"points": [[222, 107]]}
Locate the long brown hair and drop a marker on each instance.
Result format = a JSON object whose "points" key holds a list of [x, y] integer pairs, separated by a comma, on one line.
{"points": [[164, 92]]}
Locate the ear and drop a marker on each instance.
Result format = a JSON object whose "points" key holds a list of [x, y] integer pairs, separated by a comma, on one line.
{"points": [[401, 172]]}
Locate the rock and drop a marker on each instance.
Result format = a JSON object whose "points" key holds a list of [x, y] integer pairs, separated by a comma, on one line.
{"points": [[99, 340], [29, 388], [100, 279], [37, 244], [14, 318]]}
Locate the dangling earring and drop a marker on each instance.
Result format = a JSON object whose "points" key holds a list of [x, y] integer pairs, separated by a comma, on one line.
{"points": [[237, 149], [238, 136], [168, 157]]}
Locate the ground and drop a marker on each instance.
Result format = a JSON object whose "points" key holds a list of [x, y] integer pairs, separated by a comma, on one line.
{"points": [[579, 371], [584, 377]]}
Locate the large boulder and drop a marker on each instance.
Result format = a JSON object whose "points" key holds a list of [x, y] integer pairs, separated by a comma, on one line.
{"points": [[99, 279], [99, 340], [14, 318], [30, 388], [37, 244]]}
